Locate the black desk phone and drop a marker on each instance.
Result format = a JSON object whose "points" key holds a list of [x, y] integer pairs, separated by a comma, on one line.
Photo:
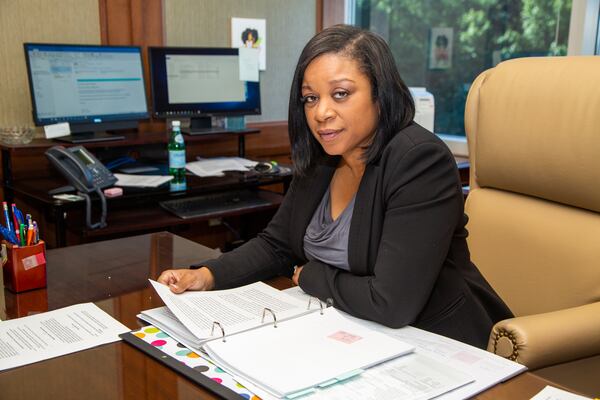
{"points": [[84, 171]]}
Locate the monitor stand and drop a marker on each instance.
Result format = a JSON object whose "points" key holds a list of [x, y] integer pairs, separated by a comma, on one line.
{"points": [[203, 126], [89, 137]]}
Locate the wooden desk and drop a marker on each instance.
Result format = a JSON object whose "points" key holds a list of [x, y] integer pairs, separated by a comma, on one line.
{"points": [[113, 274], [137, 210], [132, 139]]}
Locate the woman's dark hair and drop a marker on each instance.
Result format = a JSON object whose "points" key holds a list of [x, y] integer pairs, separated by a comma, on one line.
{"points": [[441, 41], [390, 94], [248, 31]]}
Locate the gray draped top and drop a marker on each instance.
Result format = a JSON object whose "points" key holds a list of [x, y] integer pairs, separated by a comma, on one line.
{"points": [[326, 240]]}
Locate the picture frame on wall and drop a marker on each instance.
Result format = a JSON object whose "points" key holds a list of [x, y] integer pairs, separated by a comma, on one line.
{"points": [[441, 41], [251, 33]]}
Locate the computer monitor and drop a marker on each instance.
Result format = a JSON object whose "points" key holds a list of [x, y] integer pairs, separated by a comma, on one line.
{"points": [[200, 82], [93, 88]]}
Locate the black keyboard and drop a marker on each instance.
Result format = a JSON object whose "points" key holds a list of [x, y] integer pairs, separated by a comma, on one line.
{"points": [[214, 203]]}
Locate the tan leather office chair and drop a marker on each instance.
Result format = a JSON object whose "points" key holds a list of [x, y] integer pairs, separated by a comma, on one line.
{"points": [[533, 128]]}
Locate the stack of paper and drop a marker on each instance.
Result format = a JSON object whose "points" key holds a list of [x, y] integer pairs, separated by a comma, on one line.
{"points": [[216, 166], [439, 367], [321, 347], [141, 180], [304, 353], [485, 369], [189, 316], [51, 334]]}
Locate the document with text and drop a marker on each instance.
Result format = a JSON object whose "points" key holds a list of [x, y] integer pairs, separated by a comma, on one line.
{"points": [[265, 337], [190, 315], [55, 333], [300, 355], [485, 369]]}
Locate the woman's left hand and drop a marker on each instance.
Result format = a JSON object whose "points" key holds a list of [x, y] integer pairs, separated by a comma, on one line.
{"points": [[296, 277]]}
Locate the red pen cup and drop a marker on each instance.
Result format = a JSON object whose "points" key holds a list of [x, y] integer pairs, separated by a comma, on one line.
{"points": [[25, 268]]}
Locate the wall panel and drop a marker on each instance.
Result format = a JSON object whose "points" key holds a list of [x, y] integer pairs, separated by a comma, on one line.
{"points": [[290, 24], [64, 21]]}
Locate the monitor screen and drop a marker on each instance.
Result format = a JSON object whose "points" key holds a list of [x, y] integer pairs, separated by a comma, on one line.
{"points": [[193, 81], [86, 85]]}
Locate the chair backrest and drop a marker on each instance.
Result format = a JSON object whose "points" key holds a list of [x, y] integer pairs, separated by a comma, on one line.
{"points": [[533, 127]]}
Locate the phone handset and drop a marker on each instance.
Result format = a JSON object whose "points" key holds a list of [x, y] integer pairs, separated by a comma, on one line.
{"points": [[72, 168], [87, 175], [84, 171]]}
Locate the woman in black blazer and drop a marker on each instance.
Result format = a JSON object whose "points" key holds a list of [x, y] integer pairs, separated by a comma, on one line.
{"points": [[374, 217]]}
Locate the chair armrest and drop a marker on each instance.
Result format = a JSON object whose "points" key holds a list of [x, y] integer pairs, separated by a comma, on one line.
{"points": [[541, 340]]}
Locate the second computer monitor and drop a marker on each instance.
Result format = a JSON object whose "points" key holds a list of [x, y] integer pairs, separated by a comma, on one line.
{"points": [[200, 82]]}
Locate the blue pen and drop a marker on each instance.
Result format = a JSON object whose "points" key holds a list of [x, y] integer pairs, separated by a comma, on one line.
{"points": [[19, 216], [6, 217], [8, 235]]}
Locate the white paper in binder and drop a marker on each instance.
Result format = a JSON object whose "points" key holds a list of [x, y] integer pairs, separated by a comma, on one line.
{"points": [[424, 107], [302, 353]]}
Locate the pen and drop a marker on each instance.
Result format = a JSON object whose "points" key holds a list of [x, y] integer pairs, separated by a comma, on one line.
{"points": [[13, 208], [8, 235], [17, 234], [36, 233], [19, 215], [29, 233], [6, 217], [22, 232]]}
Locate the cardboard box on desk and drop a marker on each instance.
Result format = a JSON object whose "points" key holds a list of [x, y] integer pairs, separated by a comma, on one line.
{"points": [[25, 268]]}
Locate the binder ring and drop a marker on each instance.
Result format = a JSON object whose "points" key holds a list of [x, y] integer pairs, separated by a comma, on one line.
{"points": [[320, 304], [212, 330], [272, 313]]}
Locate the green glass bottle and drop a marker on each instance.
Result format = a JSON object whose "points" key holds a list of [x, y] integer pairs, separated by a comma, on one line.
{"points": [[177, 157]]}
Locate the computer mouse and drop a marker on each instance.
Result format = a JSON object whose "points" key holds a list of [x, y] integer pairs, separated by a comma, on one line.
{"points": [[265, 167]]}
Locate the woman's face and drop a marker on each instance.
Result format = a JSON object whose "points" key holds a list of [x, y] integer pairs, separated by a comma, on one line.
{"points": [[338, 105]]}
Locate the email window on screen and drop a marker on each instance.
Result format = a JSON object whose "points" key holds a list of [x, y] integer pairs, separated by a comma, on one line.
{"points": [[106, 83], [204, 79]]}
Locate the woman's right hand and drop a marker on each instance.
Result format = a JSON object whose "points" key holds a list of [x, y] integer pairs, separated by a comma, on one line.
{"points": [[180, 280]]}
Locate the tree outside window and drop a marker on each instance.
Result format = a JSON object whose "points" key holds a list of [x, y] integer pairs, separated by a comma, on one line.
{"points": [[484, 32]]}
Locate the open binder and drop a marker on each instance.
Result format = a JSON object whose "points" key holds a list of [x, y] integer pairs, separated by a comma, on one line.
{"points": [[316, 350], [287, 350]]}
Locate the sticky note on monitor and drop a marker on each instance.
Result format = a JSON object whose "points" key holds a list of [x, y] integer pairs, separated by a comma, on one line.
{"points": [[248, 64]]}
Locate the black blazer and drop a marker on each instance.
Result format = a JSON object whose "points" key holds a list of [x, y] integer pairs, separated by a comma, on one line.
{"points": [[407, 251]]}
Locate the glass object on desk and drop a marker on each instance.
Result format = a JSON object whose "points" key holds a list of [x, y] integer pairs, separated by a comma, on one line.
{"points": [[16, 134], [178, 186], [176, 149]]}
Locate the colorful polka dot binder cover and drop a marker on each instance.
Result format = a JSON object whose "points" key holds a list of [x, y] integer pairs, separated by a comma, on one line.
{"points": [[194, 366]]}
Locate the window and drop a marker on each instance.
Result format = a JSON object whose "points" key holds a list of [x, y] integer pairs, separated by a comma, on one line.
{"points": [[598, 35], [444, 45]]}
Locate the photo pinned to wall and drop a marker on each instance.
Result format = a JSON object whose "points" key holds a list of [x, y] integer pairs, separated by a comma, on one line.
{"points": [[440, 48], [251, 33]]}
